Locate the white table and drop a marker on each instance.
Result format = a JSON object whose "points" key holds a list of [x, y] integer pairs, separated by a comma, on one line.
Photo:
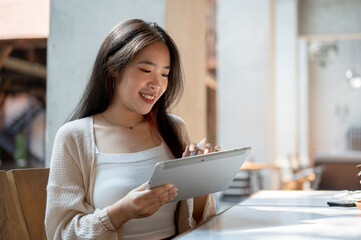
{"points": [[283, 215], [291, 198]]}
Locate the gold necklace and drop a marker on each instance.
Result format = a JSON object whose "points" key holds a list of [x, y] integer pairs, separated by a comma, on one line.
{"points": [[115, 124]]}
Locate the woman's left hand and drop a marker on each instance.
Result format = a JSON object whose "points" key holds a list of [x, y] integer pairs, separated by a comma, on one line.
{"points": [[193, 147], [199, 203]]}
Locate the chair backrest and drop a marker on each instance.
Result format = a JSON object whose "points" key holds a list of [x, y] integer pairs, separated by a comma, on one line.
{"points": [[307, 175], [29, 190], [12, 222]]}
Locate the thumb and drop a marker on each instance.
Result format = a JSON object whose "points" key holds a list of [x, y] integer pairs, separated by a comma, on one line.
{"points": [[142, 187]]}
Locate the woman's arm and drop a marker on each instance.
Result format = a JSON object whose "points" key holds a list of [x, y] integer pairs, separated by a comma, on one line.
{"points": [[68, 212]]}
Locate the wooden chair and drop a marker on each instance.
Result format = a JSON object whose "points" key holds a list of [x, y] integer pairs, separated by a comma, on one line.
{"points": [[307, 175], [12, 222], [249, 179], [28, 187]]}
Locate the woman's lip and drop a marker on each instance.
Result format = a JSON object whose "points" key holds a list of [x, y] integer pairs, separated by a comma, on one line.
{"points": [[150, 98]]}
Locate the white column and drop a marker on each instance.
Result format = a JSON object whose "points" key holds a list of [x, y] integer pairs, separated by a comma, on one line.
{"points": [[286, 85], [243, 75], [303, 126]]}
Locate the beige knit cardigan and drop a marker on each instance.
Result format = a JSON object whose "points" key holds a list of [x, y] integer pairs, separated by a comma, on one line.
{"points": [[70, 212]]}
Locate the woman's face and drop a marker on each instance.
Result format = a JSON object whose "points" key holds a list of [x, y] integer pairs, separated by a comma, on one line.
{"points": [[144, 79]]}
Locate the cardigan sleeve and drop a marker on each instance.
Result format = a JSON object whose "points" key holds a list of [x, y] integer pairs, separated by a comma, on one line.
{"points": [[68, 212], [185, 219]]}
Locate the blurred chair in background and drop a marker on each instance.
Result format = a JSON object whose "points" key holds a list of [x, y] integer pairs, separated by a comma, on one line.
{"points": [[302, 178]]}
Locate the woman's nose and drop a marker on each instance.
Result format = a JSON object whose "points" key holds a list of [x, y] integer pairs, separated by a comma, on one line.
{"points": [[155, 82]]}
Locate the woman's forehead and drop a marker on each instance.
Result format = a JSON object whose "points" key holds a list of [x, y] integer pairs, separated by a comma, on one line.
{"points": [[154, 53]]}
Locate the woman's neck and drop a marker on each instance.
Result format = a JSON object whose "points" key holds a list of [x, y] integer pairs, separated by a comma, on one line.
{"points": [[122, 118]]}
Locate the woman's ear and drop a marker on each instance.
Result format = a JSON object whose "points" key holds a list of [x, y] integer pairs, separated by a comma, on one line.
{"points": [[115, 73]]}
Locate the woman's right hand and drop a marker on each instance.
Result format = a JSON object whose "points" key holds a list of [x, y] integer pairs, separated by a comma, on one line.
{"points": [[140, 202]]}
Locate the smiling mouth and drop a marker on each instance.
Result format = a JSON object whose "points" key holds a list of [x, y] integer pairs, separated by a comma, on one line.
{"points": [[147, 97]]}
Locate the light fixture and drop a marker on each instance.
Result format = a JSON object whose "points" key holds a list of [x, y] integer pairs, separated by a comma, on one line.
{"points": [[322, 52], [354, 79]]}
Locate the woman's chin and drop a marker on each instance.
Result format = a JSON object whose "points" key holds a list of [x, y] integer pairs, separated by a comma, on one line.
{"points": [[144, 111]]}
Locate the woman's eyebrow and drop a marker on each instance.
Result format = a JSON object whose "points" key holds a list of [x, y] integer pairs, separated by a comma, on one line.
{"points": [[151, 63]]}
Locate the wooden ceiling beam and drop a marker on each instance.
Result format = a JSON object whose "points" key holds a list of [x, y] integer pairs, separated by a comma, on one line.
{"points": [[5, 52], [25, 67], [25, 43]]}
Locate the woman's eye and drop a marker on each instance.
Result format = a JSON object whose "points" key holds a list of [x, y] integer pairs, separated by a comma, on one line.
{"points": [[144, 70], [165, 75]]}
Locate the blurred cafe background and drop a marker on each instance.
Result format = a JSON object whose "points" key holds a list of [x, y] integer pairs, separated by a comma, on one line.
{"points": [[283, 76]]}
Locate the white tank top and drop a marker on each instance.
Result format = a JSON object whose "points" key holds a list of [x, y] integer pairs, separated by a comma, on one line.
{"points": [[117, 174]]}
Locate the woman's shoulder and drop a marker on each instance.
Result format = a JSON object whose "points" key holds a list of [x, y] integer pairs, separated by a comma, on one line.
{"points": [[177, 120], [75, 127]]}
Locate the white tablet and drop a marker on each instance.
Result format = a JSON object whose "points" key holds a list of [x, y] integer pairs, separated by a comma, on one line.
{"points": [[199, 175]]}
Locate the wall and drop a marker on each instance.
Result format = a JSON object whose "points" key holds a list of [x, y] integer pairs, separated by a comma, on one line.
{"points": [[258, 85], [244, 94], [22, 19], [335, 106], [286, 84], [324, 17]]}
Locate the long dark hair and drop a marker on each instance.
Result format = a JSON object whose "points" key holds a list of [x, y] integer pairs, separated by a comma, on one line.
{"points": [[122, 44]]}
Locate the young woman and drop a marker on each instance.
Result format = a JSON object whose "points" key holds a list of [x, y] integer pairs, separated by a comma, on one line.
{"points": [[104, 156]]}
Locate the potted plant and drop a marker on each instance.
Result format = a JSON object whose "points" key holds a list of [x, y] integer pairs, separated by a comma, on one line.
{"points": [[358, 202], [21, 151]]}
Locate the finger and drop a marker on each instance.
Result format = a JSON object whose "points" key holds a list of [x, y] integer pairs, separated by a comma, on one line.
{"points": [[199, 152], [186, 152], [172, 193], [167, 196], [149, 194], [160, 198], [208, 148], [192, 147], [161, 189]]}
